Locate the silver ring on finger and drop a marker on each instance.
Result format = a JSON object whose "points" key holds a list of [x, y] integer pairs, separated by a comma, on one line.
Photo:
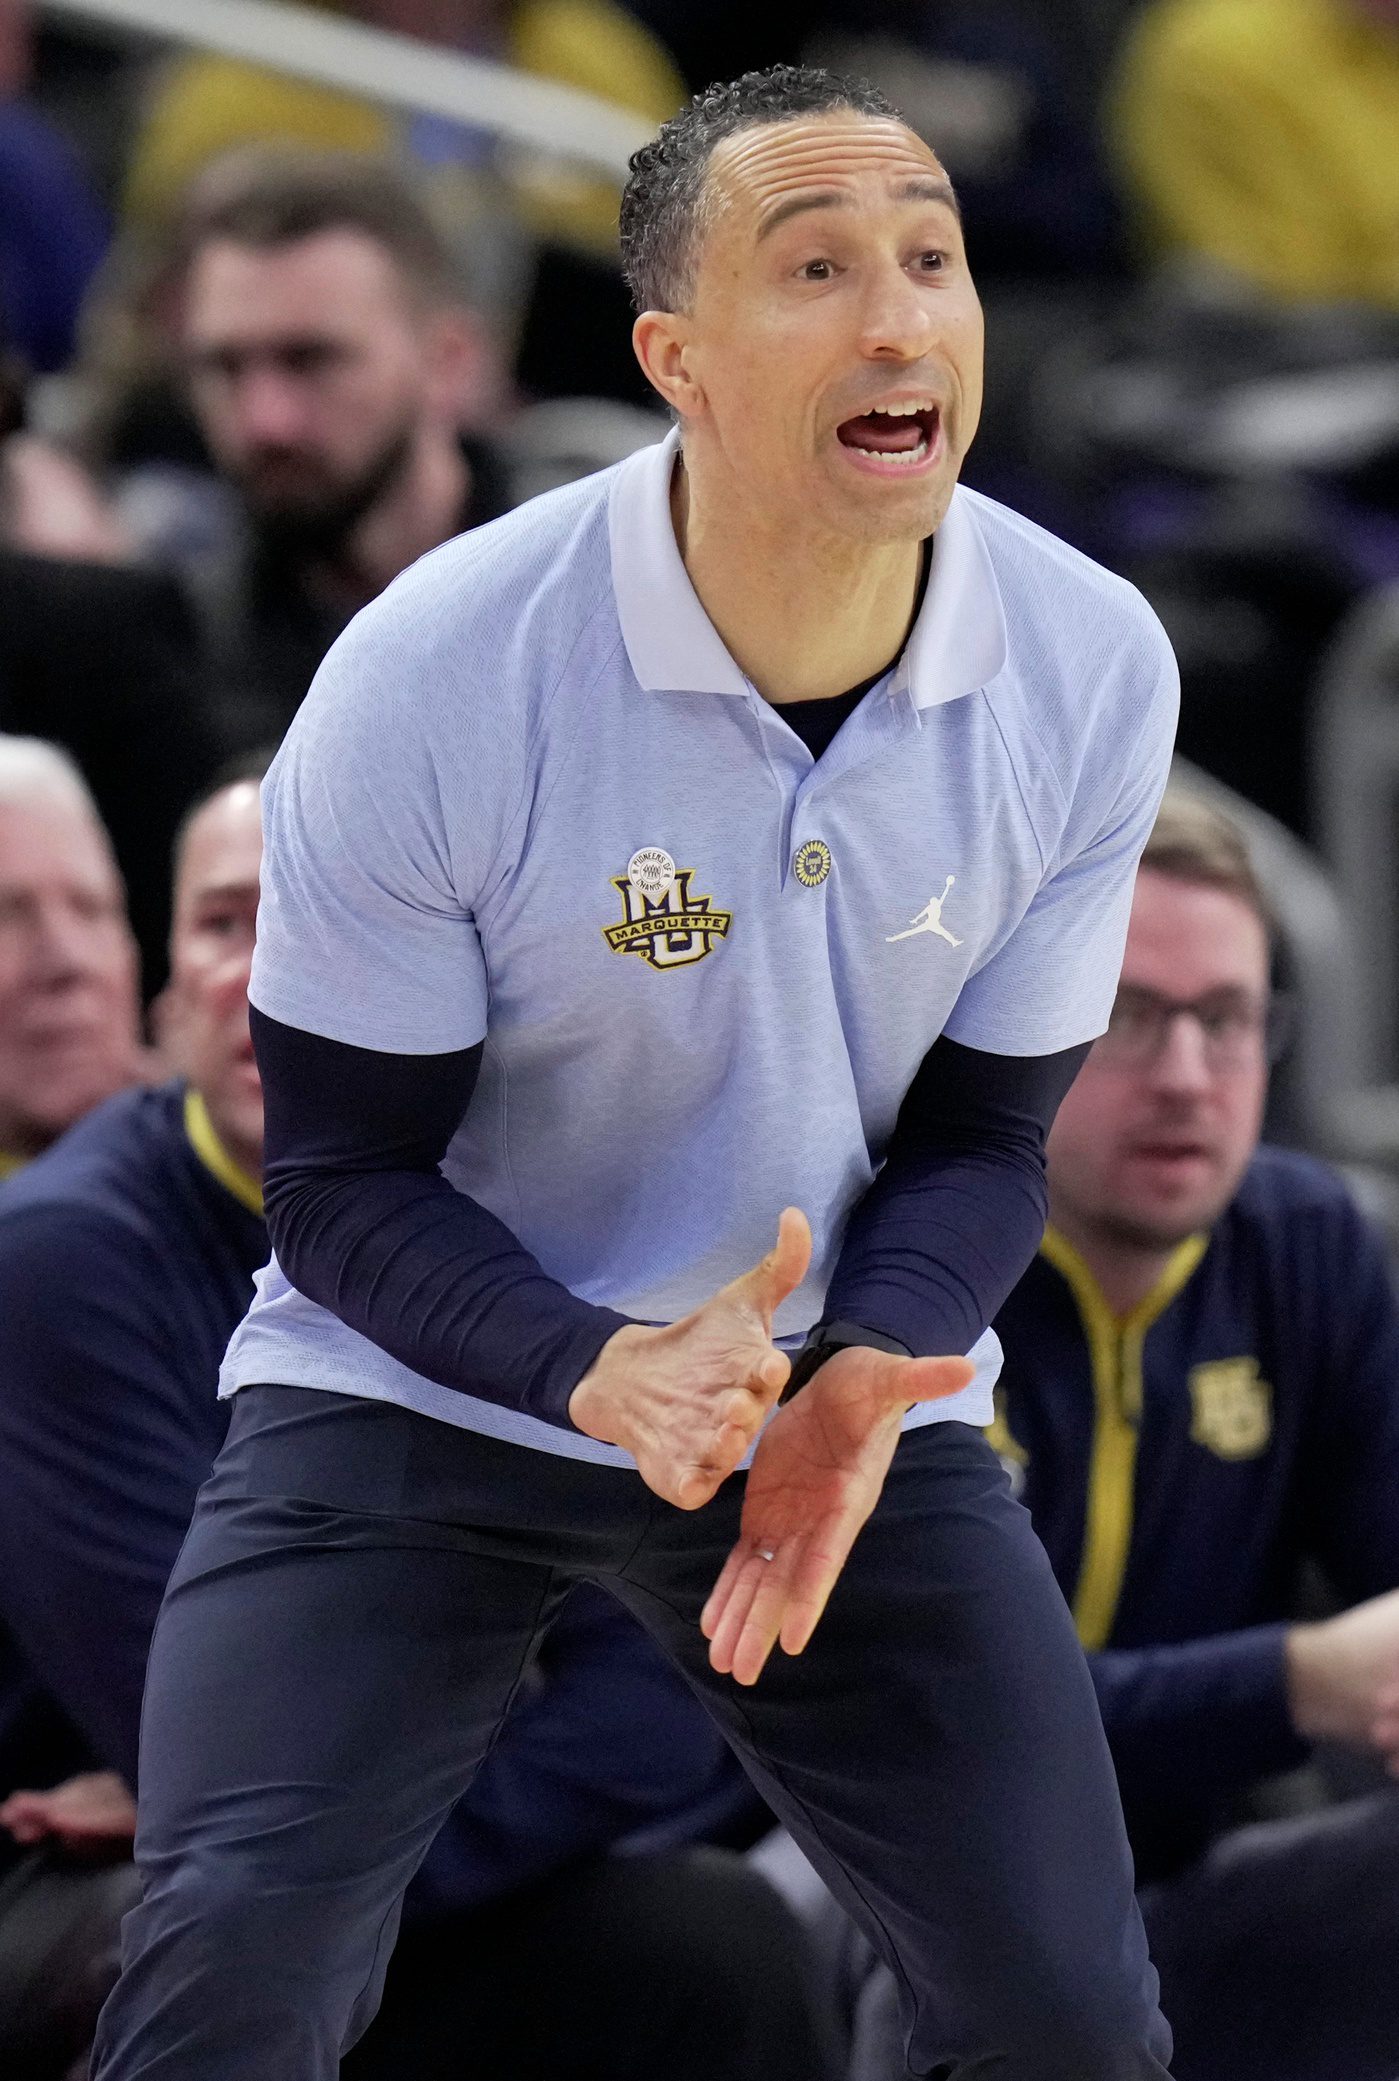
{"points": [[766, 1553]]}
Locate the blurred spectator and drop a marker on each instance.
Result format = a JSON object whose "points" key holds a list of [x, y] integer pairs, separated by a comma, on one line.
{"points": [[1201, 1391], [52, 229], [204, 105], [1261, 137], [127, 1256], [104, 661], [68, 998], [327, 358]]}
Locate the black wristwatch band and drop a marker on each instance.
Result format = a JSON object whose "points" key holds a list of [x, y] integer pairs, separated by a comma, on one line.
{"points": [[827, 1338]]}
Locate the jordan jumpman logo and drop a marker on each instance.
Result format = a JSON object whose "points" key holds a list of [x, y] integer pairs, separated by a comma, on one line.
{"points": [[929, 919]]}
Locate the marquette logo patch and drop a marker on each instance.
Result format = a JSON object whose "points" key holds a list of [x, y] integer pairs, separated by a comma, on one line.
{"points": [[812, 863], [670, 929], [1231, 1409]]}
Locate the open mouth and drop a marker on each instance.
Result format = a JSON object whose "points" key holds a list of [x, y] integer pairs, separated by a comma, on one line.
{"points": [[899, 434], [1173, 1152]]}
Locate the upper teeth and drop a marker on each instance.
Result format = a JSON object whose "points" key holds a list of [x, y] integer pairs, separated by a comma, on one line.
{"points": [[905, 411]]}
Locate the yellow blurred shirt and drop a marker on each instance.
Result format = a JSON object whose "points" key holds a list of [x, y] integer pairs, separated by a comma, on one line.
{"points": [[1264, 135], [206, 105]]}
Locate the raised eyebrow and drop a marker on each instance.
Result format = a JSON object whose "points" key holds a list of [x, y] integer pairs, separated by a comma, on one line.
{"points": [[927, 190], [225, 351], [228, 892], [923, 190]]}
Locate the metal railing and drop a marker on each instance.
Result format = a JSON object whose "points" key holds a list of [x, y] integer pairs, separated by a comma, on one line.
{"points": [[535, 115]]}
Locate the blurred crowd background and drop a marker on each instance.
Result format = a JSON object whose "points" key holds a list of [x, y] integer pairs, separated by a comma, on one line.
{"points": [[264, 341]]}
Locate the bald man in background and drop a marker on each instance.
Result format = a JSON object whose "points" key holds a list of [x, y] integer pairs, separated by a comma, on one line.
{"points": [[69, 1000]]}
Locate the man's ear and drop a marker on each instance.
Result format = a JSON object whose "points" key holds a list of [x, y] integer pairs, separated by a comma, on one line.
{"points": [[662, 343], [465, 378]]}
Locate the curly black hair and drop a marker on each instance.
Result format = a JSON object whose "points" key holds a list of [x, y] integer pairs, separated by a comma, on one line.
{"points": [[662, 204]]}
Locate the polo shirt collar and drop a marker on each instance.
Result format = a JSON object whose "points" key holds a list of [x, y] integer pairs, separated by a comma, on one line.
{"points": [[671, 642], [958, 642]]}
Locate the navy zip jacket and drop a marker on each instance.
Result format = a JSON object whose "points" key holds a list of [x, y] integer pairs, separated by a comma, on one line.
{"points": [[1180, 1465], [127, 1255]]}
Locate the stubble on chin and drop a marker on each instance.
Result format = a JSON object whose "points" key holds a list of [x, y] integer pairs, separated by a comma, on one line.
{"points": [[1137, 1228]]}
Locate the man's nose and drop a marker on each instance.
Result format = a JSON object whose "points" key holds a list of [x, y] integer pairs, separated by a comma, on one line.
{"points": [[270, 407], [897, 323], [1182, 1061]]}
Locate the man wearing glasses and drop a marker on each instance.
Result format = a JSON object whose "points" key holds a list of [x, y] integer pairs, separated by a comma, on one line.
{"points": [[1201, 1391]]}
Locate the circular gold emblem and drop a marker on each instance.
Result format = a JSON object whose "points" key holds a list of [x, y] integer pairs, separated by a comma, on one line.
{"points": [[812, 863]]}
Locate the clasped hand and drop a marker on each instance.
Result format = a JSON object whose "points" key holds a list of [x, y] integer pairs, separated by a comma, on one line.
{"points": [[92, 1815], [688, 1399]]}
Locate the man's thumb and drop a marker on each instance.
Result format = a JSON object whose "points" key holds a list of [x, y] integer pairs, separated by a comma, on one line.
{"points": [[929, 1379], [783, 1269]]}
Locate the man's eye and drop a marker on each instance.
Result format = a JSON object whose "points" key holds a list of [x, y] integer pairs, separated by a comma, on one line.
{"points": [[1227, 1022], [932, 263], [215, 367], [817, 271], [308, 360]]}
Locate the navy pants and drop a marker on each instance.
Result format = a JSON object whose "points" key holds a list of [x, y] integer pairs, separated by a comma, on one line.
{"points": [[358, 1596]]}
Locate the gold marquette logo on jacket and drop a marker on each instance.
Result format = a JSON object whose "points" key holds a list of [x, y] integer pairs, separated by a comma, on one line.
{"points": [[661, 920], [1231, 1408]]}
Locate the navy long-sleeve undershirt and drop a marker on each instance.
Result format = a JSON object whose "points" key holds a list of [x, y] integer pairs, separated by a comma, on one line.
{"points": [[957, 1211], [364, 1223]]}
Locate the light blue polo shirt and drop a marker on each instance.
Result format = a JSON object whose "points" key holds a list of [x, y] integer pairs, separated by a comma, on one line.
{"points": [[531, 800]]}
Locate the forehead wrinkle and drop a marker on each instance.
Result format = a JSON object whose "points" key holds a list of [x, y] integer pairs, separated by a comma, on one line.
{"points": [[767, 162], [780, 207]]}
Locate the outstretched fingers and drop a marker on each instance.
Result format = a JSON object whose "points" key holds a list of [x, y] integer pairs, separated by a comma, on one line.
{"points": [[823, 1556], [778, 1600], [768, 1593], [818, 1472], [717, 1603], [744, 1614]]}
